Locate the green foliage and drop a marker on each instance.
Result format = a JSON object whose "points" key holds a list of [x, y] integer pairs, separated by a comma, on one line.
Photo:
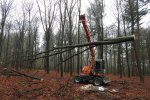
{"points": [[130, 9]]}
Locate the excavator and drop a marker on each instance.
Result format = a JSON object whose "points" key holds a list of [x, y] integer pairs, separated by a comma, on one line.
{"points": [[93, 73]]}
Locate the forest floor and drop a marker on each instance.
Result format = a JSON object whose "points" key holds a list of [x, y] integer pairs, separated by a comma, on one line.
{"points": [[53, 87]]}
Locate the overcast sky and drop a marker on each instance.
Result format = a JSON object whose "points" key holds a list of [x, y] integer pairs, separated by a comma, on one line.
{"points": [[109, 12], [108, 19]]}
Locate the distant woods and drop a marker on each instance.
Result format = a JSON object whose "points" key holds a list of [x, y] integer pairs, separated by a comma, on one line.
{"points": [[41, 25]]}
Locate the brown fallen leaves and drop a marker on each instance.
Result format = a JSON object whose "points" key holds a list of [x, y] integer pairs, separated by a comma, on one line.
{"points": [[53, 87]]}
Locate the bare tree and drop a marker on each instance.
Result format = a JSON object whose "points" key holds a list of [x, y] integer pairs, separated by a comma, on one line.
{"points": [[5, 7], [70, 8], [148, 45], [19, 40], [63, 13], [29, 7], [47, 19], [118, 3], [136, 43], [134, 12], [8, 28], [78, 50], [125, 25], [97, 9]]}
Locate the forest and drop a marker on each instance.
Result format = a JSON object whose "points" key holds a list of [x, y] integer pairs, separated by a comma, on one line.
{"points": [[43, 46]]}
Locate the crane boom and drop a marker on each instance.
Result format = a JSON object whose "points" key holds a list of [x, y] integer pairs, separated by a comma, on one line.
{"points": [[83, 21]]}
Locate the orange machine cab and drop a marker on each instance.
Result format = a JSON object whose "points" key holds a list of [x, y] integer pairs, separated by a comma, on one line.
{"points": [[86, 69]]}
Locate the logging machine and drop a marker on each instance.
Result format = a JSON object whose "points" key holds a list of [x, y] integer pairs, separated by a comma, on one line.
{"points": [[94, 73]]}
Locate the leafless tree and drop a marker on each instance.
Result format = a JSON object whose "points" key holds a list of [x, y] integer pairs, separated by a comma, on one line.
{"points": [[148, 45], [118, 8], [79, 36], [47, 19], [63, 13], [19, 40], [70, 10], [5, 7], [97, 9]]}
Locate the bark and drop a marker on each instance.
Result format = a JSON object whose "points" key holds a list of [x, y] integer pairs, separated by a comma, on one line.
{"points": [[136, 45], [143, 59], [30, 44], [148, 48], [119, 45], [132, 15], [106, 59], [7, 44], [78, 50], [46, 64], [115, 60], [126, 45]]}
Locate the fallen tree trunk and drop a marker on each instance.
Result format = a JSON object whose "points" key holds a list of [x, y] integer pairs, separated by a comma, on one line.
{"points": [[8, 73], [104, 42], [14, 72], [26, 75]]}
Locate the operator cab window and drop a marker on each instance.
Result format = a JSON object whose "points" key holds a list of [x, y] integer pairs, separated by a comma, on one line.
{"points": [[99, 65]]}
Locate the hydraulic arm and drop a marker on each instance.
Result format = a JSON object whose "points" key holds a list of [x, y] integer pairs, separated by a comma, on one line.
{"points": [[83, 21], [93, 73]]}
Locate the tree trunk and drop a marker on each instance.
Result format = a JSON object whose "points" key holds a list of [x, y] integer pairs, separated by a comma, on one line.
{"points": [[2, 35], [136, 45], [46, 64], [106, 60], [143, 59], [79, 34], [148, 48], [7, 48], [126, 48]]}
